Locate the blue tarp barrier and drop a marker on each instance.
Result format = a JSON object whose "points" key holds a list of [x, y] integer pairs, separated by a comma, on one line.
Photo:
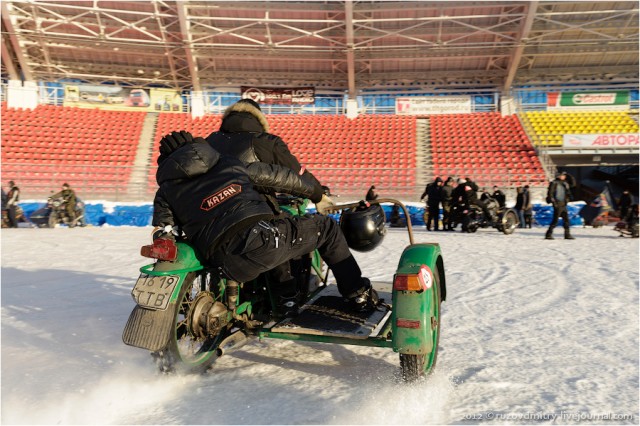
{"points": [[141, 215], [130, 215], [94, 214], [543, 214]]}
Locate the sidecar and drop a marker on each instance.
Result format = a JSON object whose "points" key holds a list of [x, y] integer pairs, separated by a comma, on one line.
{"points": [[188, 317]]}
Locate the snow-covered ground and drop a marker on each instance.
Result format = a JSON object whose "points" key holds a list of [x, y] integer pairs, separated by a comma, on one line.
{"points": [[533, 331]]}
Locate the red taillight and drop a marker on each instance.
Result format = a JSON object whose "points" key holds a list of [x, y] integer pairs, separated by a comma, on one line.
{"points": [[161, 249], [421, 281], [406, 323]]}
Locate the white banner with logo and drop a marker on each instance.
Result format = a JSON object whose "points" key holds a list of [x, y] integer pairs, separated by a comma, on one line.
{"points": [[587, 101], [622, 140], [428, 105]]}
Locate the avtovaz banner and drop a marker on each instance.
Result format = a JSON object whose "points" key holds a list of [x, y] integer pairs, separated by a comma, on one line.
{"points": [[284, 96], [122, 98], [576, 101], [621, 140], [429, 105]]}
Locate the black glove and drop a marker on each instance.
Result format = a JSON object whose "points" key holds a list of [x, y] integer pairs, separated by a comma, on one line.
{"points": [[175, 140]]}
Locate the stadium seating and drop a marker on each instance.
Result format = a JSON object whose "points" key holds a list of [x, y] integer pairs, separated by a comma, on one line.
{"points": [[92, 148], [343, 153], [490, 148], [84, 147], [547, 128]]}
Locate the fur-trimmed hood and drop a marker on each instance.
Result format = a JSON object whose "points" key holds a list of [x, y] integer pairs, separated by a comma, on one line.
{"points": [[244, 117]]}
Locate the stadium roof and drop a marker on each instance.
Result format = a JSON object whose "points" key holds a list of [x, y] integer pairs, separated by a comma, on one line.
{"points": [[331, 45]]}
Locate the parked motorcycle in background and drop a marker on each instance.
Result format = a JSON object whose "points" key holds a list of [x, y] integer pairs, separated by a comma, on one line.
{"points": [[55, 213]]}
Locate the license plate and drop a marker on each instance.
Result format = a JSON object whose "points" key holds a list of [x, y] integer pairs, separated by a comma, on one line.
{"points": [[154, 291]]}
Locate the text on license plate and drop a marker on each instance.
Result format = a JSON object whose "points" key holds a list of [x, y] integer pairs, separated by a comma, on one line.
{"points": [[154, 292]]}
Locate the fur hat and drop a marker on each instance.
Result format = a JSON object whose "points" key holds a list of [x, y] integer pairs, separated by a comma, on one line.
{"points": [[250, 106]]}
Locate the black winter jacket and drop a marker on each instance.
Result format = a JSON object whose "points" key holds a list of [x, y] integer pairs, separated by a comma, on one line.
{"points": [[211, 196], [551, 191], [244, 134]]}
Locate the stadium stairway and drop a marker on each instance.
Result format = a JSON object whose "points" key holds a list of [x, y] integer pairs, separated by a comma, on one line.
{"points": [[138, 182], [424, 161]]}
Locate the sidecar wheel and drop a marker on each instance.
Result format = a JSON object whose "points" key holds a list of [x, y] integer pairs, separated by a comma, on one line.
{"points": [[186, 353], [413, 366], [509, 222]]}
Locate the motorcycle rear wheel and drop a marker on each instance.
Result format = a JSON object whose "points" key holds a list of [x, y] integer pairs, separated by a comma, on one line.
{"points": [[185, 353], [414, 367], [509, 222]]}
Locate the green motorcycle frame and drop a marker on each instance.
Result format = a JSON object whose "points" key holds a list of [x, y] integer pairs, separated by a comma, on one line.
{"points": [[188, 317]]}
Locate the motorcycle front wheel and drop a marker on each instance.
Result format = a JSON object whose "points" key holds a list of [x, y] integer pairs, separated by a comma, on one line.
{"points": [[186, 353], [413, 366], [469, 225]]}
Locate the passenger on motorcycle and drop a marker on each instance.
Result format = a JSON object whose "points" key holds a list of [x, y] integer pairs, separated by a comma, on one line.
{"points": [[211, 197], [69, 197]]}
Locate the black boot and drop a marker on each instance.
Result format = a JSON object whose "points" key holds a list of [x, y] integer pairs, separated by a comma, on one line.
{"points": [[286, 298], [367, 300], [568, 236], [348, 276], [549, 235]]}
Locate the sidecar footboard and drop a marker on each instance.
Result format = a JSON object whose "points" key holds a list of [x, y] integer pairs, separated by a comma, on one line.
{"points": [[328, 315]]}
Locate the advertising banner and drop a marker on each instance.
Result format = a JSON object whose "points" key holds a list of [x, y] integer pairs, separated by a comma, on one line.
{"points": [[122, 98], [428, 105], [601, 140], [166, 100], [290, 96], [612, 100]]}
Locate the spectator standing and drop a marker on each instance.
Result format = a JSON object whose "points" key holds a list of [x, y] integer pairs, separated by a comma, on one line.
{"points": [[559, 195], [527, 207], [447, 201], [433, 193], [625, 202], [13, 196], [372, 194], [519, 207]]}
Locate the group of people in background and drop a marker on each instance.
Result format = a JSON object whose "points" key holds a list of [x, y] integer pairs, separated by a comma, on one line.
{"points": [[451, 193], [12, 214]]}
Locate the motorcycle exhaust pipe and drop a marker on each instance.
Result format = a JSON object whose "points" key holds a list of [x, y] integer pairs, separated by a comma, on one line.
{"points": [[232, 343]]}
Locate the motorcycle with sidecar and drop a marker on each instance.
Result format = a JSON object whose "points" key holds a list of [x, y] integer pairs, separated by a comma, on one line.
{"points": [[188, 316], [471, 217]]}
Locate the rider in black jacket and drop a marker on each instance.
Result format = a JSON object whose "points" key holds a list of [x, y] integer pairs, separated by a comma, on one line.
{"points": [[244, 134], [212, 198]]}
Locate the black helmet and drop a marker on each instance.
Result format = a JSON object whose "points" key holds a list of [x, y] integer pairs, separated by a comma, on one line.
{"points": [[363, 227]]}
